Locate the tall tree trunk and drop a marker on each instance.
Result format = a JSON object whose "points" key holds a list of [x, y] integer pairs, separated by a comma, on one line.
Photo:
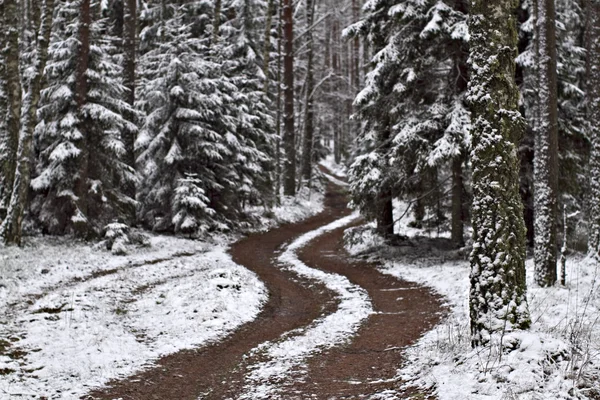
{"points": [[279, 95], [129, 64], [546, 147], [217, 21], [356, 49], [593, 82], [10, 230], [307, 148], [12, 89], [289, 179], [80, 218], [460, 80], [457, 202], [498, 288], [267, 48], [336, 67], [384, 207]]}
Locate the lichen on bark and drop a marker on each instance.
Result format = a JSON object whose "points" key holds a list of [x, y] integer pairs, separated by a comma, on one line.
{"points": [[498, 288]]}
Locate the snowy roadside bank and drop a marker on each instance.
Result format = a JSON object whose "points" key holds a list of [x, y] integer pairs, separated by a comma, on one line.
{"points": [[558, 358], [331, 330], [74, 316], [82, 335]]}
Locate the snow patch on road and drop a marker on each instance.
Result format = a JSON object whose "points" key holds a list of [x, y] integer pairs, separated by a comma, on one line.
{"points": [[331, 330]]}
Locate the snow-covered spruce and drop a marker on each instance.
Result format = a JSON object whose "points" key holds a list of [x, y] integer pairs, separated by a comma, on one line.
{"points": [[80, 169], [354, 307]]}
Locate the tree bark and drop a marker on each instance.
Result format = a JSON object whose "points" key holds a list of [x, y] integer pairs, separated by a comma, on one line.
{"points": [[11, 228], [129, 65], [278, 116], [289, 170], [593, 82], [457, 202], [217, 21], [80, 221], [336, 68], [546, 147], [267, 48], [307, 148], [498, 300], [12, 90]]}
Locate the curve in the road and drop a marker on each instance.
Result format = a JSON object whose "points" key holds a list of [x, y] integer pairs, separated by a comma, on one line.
{"points": [[217, 371], [355, 369]]}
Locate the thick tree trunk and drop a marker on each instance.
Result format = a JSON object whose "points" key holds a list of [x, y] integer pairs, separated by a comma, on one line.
{"points": [[12, 89], [593, 67], [498, 287], [307, 144], [3, 106], [289, 170], [546, 148], [11, 228]]}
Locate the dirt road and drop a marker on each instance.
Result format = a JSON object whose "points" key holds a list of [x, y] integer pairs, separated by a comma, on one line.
{"points": [[364, 366]]}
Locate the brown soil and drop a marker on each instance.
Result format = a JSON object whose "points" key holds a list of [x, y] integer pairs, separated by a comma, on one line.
{"points": [[403, 312]]}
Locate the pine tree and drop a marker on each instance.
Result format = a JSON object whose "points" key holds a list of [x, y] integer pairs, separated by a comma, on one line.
{"points": [[412, 107], [81, 173], [371, 185], [185, 118], [497, 297]]}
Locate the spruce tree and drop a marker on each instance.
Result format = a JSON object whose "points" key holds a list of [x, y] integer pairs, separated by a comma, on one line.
{"points": [[80, 173], [498, 288]]}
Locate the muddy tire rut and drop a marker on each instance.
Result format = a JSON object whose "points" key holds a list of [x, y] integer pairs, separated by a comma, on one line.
{"points": [[365, 365]]}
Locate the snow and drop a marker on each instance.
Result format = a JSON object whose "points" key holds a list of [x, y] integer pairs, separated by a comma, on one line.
{"points": [[331, 330], [339, 170], [558, 358], [82, 316]]}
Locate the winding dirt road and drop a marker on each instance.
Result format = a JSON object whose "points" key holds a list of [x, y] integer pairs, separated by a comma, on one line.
{"points": [[364, 366]]}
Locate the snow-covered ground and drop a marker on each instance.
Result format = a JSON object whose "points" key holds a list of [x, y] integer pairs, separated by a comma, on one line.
{"points": [[73, 316], [336, 169], [332, 330], [558, 358]]}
